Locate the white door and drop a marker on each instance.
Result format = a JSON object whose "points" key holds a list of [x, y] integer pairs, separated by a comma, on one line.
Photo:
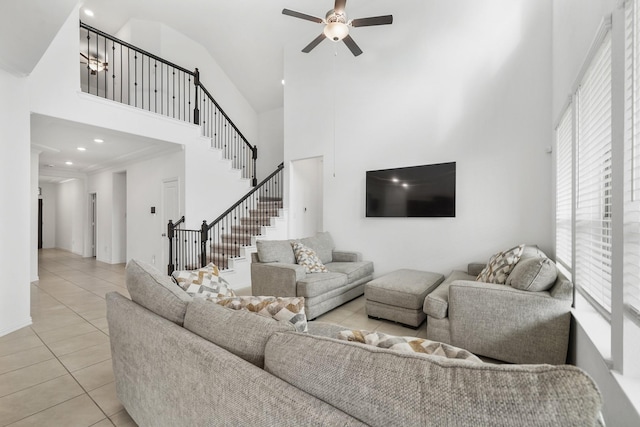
{"points": [[170, 211], [306, 197]]}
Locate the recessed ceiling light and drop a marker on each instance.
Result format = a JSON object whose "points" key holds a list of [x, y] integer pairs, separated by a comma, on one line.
{"points": [[88, 12], [68, 163], [98, 140], [282, 82], [82, 149]]}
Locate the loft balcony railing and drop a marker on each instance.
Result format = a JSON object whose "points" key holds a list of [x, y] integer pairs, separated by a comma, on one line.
{"points": [[116, 70]]}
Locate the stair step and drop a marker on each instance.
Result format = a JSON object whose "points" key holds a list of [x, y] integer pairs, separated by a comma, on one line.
{"points": [[240, 239], [263, 220], [228, 249], [264, 212], [270, 199], [274, 205], [253, 229]]}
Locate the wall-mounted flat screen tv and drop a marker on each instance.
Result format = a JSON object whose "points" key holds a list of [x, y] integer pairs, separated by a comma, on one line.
{"points": [[417, 191]]}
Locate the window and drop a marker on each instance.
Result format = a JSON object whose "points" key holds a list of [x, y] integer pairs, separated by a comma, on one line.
{"points": [[592, 270], [564, 185], [631, 272]]}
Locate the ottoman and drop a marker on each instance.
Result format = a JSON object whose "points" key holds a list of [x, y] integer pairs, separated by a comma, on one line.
{"points": [[399, 295]]}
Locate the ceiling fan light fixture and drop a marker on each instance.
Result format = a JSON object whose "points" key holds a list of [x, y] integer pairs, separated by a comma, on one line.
{"points": [[336, 31]]}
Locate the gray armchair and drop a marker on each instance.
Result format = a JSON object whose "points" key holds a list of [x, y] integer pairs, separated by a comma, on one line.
{"points": [[501, 321], [274, 272]]}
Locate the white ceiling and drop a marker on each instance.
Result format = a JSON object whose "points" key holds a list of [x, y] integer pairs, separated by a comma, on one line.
{"points": [[247, 38], [58, 141]]}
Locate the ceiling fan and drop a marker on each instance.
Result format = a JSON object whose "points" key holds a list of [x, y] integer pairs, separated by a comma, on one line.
{"points": [[94, 64], [337, 26]]}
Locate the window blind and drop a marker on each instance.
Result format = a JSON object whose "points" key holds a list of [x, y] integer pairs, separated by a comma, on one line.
{"points": [[593, 175], [564, 171], [631, 250]]}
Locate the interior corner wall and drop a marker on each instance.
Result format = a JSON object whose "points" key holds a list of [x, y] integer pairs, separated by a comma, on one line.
{"points": [[15, 187], [71, 209], [471, 84], [33, 220], [102, 185], [270, 141]]}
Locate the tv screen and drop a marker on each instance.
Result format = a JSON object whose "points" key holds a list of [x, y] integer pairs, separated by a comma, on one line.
{"points": [[418, 191]]}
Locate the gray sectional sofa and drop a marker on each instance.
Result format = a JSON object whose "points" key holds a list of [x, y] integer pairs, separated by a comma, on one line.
{"points": [[274, 272], [180, 361]]}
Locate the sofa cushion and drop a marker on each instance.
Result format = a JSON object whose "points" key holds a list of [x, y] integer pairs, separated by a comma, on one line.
{"points": [[156, 291], [307, 258], [322, 244], [287, 309], [240, 332], [533, 274], [500, 265], [204, 282], [384, 388], [436, 304], [315, 284], [407, 344], [275, 251], [354, 270]]}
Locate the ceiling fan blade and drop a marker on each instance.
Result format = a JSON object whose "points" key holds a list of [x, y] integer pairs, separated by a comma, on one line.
{"points": [[301, 15], [353, 47], [375, 20], [84, 56], [340, 5], [314, 43]]}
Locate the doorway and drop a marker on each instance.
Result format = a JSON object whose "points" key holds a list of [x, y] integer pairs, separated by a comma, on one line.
{"points": [[93, 209], [306, 201]]}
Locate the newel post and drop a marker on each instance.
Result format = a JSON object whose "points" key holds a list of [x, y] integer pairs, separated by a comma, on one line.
{"points": [[170, 233], [204, 236], [196, 110]]}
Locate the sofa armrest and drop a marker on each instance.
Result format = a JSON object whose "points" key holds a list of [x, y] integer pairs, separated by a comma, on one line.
{"points": [[275, 278], [346, 256], [508, 324], [474, 268]]}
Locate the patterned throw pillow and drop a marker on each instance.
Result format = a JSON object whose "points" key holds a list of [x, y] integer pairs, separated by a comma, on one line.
{"points": [[289, 309], [407, 344], [500, 265], [307, 258], [204, 283]]}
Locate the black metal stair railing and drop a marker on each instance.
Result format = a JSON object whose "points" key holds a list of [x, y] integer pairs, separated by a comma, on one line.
{"points": [[223, 238], [116, 70]]}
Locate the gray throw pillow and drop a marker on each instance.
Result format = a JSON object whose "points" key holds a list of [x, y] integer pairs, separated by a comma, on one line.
{"points": [[533, 274], [275, 251]]}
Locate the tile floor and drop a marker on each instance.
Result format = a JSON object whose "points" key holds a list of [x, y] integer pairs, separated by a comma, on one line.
{"points": [[57, 372]]}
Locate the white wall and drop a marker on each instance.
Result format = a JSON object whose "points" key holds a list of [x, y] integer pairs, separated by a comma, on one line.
{"points": [[119, 218], [15, 188], [144, 190], [270, 141], [575, 24], [49, 195], [169, 44], [305, 201], [33, 189], [478, 96], [71, 213]]}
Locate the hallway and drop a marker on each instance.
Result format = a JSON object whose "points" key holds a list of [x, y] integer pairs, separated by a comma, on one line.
{"points": [[58, 371]]}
